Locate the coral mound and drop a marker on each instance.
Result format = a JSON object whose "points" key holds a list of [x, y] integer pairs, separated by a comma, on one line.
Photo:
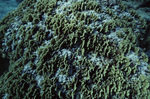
{"points": [[74, 49]]}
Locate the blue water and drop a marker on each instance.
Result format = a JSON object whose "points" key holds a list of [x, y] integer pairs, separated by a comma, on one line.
{"points": [[8, 5]]}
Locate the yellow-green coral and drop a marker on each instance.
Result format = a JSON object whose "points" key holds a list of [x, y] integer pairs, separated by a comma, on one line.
{"points": [[73, 49]]}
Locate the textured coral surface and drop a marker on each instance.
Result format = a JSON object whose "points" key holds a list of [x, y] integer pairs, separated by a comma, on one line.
{"points": [[74, 49]]}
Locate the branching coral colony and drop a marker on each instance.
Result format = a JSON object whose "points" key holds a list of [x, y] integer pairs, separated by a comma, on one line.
{"points": [[74, 49]]}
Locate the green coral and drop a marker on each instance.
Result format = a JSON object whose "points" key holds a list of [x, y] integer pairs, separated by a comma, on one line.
{"points": [[73, 49]]}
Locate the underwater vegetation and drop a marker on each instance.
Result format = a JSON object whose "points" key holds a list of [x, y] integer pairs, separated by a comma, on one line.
{"points": [[74, 49]]}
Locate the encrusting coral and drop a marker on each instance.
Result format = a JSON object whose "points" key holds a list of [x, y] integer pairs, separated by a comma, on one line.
{"points": [[74, 49]]}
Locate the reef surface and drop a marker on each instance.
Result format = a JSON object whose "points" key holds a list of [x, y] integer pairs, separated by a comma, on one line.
{"points": [[74, 49]]}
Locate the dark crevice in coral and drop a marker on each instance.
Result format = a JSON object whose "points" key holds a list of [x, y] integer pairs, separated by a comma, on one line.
{"points": [[4, 65], [145, 43]]}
